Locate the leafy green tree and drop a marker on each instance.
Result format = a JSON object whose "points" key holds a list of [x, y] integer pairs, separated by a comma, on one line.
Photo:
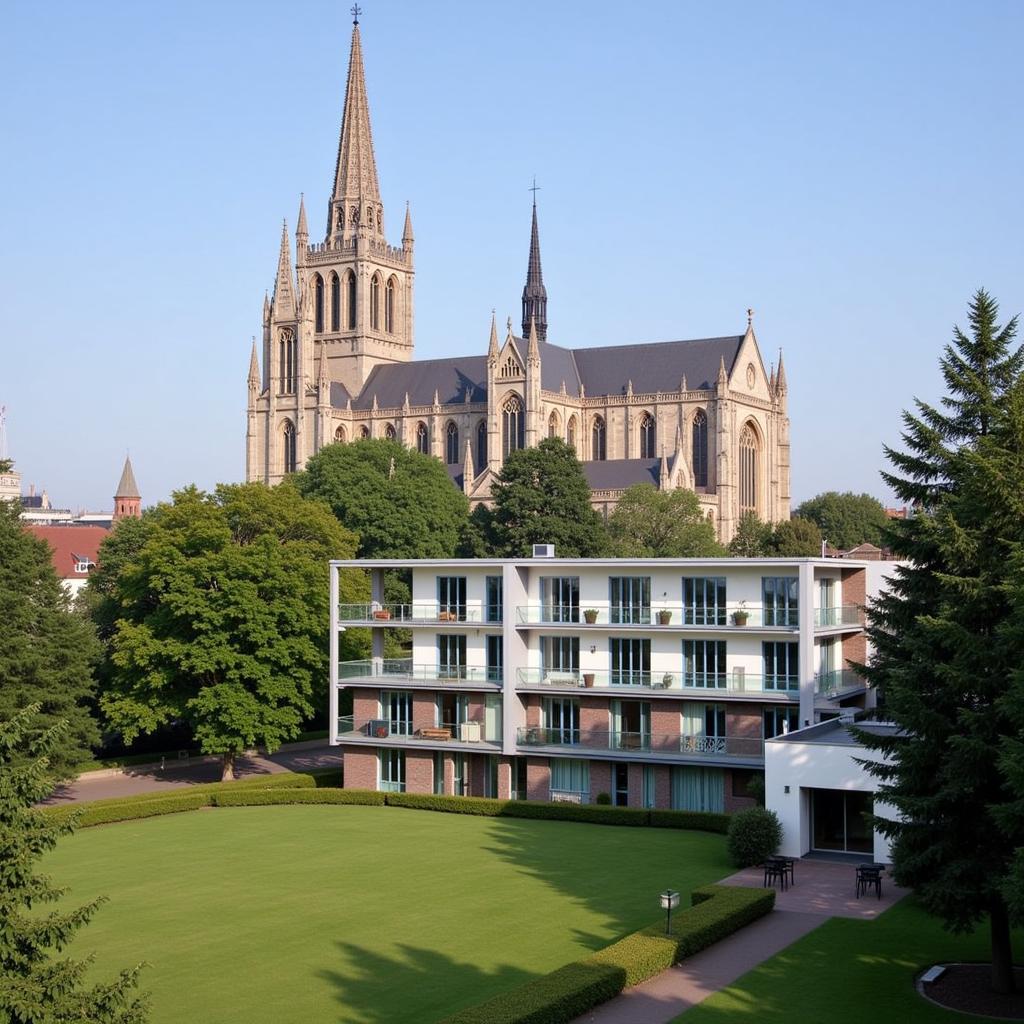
{"points": [[35, 986], [846, 520], [222, 618], [47, 650], [752, 538], [6, 465], [542, 497], [941, 662], [796, 538], [648, 523], [400, 502]]}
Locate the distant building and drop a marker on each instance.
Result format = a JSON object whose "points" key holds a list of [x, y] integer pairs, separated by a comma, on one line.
{"points": [[75, 550], [127, 501]]}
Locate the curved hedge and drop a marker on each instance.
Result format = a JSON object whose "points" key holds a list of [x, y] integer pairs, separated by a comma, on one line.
{"points": [[267, 797]]}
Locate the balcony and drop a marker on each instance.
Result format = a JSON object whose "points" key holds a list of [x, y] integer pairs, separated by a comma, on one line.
{"points": [[849, 616], [843, 682], [659, 746], [420, 613], [389, 671], [664, 684], [381, 731], [658, 617]]}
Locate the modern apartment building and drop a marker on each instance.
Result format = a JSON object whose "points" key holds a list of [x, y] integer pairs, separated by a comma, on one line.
{"points": [[654, 681]]}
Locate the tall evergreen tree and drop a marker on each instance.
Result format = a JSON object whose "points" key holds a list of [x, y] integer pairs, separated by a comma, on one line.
{"points": [[37, 987], [938, 663]]}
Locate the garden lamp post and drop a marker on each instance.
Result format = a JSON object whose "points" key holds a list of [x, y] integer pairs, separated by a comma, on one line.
{"points": [[669, 902]]}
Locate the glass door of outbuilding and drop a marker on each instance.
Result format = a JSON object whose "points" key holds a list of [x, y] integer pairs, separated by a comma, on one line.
{"points": [[839, 823]]}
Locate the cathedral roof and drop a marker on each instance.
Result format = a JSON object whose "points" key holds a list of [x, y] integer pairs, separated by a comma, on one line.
{"points": [[618, 474], [450, 378]]}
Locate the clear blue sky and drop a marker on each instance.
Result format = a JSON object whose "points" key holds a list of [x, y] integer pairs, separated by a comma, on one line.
{"points": [[852, 171]]}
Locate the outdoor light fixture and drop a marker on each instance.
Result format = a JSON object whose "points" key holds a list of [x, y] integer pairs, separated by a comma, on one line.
{"points": [[669, 902], [593, 648]]}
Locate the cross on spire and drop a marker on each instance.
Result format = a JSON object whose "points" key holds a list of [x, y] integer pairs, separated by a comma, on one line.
{"points": [[356, 11], [534, 188]]}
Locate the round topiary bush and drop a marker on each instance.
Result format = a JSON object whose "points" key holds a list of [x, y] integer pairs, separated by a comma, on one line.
{"points": [[753, 835], [604, 798]]}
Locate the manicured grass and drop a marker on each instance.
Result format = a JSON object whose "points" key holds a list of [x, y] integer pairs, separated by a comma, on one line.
{"points": [[849, 972], [361, 914]]}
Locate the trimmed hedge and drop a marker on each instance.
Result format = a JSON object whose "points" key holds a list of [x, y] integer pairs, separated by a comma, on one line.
{"points": [[572, 990], [698, 821], [265, 797]]}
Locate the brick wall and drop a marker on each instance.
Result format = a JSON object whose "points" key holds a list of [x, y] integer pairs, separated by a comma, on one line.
{"points": [[533, 707], [475, 712], [424, 711], [735, 803], [449, 776], [636, 785], [365, 704], [743, 720], [594, 720], [419, 772], [360, 768], [476, 769], [855, 592], [504, 778], [600, 779], [666, 721], [538, 779], [662, 787]]}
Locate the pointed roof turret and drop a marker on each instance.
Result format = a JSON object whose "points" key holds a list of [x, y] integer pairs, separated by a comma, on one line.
{"points": [[302, 228], [407, 236], [323, 382], [492, 345], [467, 466], [127, 487], [355, 174], [535, 296], [780, 377], [533, 349], [663, 471], [284, 288], [254, 366]]}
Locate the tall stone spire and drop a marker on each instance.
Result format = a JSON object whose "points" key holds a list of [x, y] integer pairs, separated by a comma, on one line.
{"points": [[284, 285], [407, 236], [254, 368], [355, 206], [535, 296]]}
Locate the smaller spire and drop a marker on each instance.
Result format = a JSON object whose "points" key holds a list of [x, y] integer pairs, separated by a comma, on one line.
{"points": [[780, 377], [302, 230], [467, 466], [437, 398], [407, 235], [254, 367], [679, 439], [663, 471], [405, 404], [508, 329], [533, 350], [771, 379], [374, 406], [266, 309], [723, 377], [629, 388], [322, 380], [492, 346], [127, 487], [682, 382], [284, 290], [750, 319]]}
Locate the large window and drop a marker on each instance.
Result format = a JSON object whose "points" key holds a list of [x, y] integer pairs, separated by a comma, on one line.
{"points": [[318, 291], [630, 598], [699, 440], [748, 470], [554, 429], [704, 663], [781, 598], [335, 303], [704, 601], [631, 724], [598, 440], [287, 362], [703, 728], [630, 661], [560, 598], [481, 446], [396, 707], [781, 665], [452, 711], [451, 656], [698, 789], [494, 598], [451, 444], [512, 425], [389, 306], [570, 778], [560, 654], [422, 439], [495, 658], [375, 303], [780, 720], [439, 773], [392, 771], [570, 433], [350, 299], [562, 720], [451, 598], [288, 440], [648, 437]]}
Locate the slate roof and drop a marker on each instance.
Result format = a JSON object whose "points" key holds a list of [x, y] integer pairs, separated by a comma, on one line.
{"points": [[450, 378], [618, 474]]}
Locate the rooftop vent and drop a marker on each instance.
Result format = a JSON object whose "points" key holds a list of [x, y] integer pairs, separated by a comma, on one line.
{"points": [[543, 550]]}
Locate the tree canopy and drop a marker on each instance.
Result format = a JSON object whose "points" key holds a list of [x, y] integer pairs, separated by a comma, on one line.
{"points": [[542, 497], [47, 649], [845, 520], [400, 502], [648, 523], [752, 538], [220, 617], [946, 637], [795, 538], [35, 986]]}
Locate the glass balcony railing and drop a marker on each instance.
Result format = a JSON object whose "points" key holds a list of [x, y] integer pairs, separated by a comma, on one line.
{"points": [[843, 680], [734, 681], [396, 670], [845, 615], [672, 616], [385, 729], [428, 612], [642, 742]]}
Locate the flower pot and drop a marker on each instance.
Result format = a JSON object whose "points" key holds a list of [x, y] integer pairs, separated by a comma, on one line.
{"points": [[740, 618], [590, 616], [588, 678], [382, 615], [664, 618]]}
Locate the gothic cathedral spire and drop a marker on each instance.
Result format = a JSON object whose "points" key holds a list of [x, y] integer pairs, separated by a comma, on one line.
{"points": [[535, 296]]}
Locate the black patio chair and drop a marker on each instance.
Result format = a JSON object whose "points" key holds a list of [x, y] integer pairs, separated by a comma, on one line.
{"points": [[869, 875]]}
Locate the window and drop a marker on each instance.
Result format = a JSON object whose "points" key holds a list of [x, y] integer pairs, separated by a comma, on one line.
{"points": [[460, 781], [494, 598], [491, 776], [439, 773], [451, 444], [422, 439], [396, 707], [704, 601], [559, 654], [335, 303], [827, 603], [620, 794], [389, 432], [512, 425], [748, 469], [495, 658], [451, 656], [452, 711], [389, 306], [481, 446], [781, 665], [392, 771], [704, 663], [553, 425], [570, 778], [83, 563], [647, 437], [698, 789], [703, 730], [492, 718], [375, 303], [570, 433], [318, 300], [743, 779], [699, 440], [339, 435], [630, 661], [631, 725], [560, 598], [288, 439], [630, 599], [350, 299], [598, 448], [287, 362], [647, 782], [781, 598], [562, 720], [780, 720], [451, 598], [364, 433]]}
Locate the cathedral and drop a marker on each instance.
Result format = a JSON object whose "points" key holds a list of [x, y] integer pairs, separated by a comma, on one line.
{"points": [[336, 364]]}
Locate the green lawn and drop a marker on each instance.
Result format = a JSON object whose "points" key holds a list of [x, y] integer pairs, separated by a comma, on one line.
{"points": [[849, 972], [371, 914]]}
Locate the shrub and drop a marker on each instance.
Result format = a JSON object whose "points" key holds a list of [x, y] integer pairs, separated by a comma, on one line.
{"points": [[755, 788], [326, 777], [520, 808], [603, 798], [753, 835], [697, 821], [266, 797]]}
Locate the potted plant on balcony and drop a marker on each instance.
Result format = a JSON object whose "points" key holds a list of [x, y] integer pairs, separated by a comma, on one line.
{"points": [[664, 617], [666, 680], [590, 616], [741, 614], [381, 613], [588, 678]]}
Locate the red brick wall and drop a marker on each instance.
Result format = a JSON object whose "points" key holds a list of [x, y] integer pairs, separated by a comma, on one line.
{"points": [[424, 711], [476, 709], [600, 779], [743, 720], [365, 704], [476, 769], [419, 772], [594, 720], [662, 787], [735, 803], [538, 779], [449, 776], [533, 707], [636, 785], [855, 592], [504, 778], [666, 725], [360, 769]]}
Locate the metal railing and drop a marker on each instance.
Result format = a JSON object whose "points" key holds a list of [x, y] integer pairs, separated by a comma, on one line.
{"points": [[845, 615], [658, 615], [570, 796], [383, 729], [419, 612], [641, 742], [397, 670], [733, 681], [843, 680]]}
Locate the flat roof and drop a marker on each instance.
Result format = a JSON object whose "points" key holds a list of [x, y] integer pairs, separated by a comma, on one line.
{"points": [[836, 733], [652, 563]]}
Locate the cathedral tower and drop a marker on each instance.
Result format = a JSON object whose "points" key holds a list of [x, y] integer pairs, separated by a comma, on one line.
{"points": [[535, 296]]}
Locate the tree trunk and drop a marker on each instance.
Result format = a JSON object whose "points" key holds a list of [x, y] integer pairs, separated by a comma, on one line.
{"points": [[228, 775], [1002, 951]]}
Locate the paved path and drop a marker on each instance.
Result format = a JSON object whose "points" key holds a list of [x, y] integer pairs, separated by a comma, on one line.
{"points": [[149, 779], [822, 890]]}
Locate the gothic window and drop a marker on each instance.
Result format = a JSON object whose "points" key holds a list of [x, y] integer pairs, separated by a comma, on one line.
{"points": [[350, 299], [647, 436], [700, 449], [389, 432], [286, 362], [510, 369], [335, 303], [318, 290], [339, 435], [389, 306], [422, 438], [570, 433], [554, 428], [288, 438], [748, 470], [375, 303], [451, 444], [364, 433], [512, 425], [598, 446], [481, 446]]}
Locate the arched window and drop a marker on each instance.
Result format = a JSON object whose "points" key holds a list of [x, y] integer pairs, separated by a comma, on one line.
{"points": [[512, 425], [570, 433], [554, 426], [748, 470], [364, 433], [286, 362], [335, 303], [481, 446], [648, 436], [700, 448], [598, 447], [350, 299], [339, 435], [289, 449], [375, 303], [422, 438], [451, 444], [318, 298], [389, 432], [389, 306]]}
